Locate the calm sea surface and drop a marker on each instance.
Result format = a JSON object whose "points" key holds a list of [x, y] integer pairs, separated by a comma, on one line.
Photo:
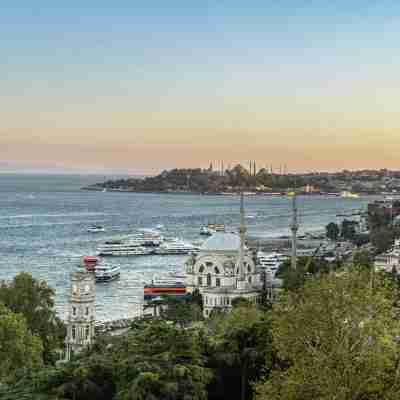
{"points": [[44, 220]]}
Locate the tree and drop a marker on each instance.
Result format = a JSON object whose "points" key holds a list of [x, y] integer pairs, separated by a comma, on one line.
{"points": [[363, 259], [348, 231], [332, 231], [182, 312], [241, 340], [336, 339], [35, 301], [382, 239], [18, 347]]}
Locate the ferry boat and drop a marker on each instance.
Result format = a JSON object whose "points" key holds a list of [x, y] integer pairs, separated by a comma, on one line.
{"points": [[163, 287], [210, 229], [123, 249], [148, 237], [175, 247], [96, 229], [106, 273], [89, 262], [271, 262]]}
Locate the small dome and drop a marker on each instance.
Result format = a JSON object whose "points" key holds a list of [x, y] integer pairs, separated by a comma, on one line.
{"points": [[221, 241]]}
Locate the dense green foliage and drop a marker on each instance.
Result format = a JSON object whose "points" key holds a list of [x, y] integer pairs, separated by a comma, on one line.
{"points": [[35, 301], [332, 231], [18, 347], [336, 339]]}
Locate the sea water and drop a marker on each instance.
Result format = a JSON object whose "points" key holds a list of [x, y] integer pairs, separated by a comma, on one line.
{"points": [[44, 221]]}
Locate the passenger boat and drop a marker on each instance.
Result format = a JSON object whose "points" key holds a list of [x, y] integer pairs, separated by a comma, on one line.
{"points": [[106, 273], [175, 247], [270, 262], [349, 195], [210, 229], [89, 262], [164, 287], [96, 229], [122, 249]]}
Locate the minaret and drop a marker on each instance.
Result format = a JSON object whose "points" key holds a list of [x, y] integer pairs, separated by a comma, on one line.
{"points": [[241, 281], [294, 227], [80, 312]]}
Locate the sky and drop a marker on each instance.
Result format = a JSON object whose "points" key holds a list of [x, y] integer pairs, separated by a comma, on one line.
{"points": [[130, 86]]}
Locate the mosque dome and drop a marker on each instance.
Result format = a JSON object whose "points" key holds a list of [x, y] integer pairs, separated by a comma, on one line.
{"points": [[221, 242]]}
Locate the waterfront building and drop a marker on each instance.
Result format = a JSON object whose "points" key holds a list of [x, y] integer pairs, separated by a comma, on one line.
{"points": [[80, 318], [390, 261], [224, 270]]}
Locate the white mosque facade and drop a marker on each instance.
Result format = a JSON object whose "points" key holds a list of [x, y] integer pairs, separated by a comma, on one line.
{"points": [[224, 270]]}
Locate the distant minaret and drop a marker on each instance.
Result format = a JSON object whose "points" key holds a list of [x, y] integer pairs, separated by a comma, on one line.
{"points": [[240, 281], [294, 227], [255, 169], [223, 170]]}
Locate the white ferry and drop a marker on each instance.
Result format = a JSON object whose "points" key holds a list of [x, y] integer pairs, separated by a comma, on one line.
{"points": [[271, 262], [175, 247], [107, 273], [210, 229], [349, 195], [96, 229], [124, 249]]}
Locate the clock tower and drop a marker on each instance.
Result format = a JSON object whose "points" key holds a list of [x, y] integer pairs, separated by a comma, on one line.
{"points": [[80, 316]]}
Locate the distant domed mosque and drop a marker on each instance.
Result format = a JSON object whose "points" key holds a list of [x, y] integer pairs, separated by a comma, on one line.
{"points": [[224, 270]]}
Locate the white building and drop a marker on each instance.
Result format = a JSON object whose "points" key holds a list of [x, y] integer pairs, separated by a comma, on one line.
{"points": [[389, 261], [80, 318], [224, 270]]}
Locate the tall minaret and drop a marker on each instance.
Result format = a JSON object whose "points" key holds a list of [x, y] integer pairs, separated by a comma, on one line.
{"points": [[241, 281], [294, 227]]}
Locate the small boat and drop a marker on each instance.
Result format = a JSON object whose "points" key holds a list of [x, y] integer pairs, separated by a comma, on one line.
{"points": [[106, 273], [349, 195], [96, 229], [210, 229], [89, 262]]}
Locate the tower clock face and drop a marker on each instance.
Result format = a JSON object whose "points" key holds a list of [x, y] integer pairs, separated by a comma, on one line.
{"points": [[74, 289]]}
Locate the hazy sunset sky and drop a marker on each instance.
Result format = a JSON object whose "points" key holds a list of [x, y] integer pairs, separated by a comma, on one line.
{"points": [[140, 86]]}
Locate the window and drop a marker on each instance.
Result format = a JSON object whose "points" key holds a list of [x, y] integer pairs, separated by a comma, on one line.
{"points": [[87, 332], [209, 264], [208, 279], [249, 279], [73, 332], [201, 269], [218, 282], [73, 311], [248, 268], [228, 300], [216, 270], [200, 280], [206, 300], [87, 311]]}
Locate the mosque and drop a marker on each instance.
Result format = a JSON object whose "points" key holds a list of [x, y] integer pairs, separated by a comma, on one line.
{"points": [[224, 270]]}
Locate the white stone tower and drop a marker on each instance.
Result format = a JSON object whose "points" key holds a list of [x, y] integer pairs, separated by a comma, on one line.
{"points": [[241, 281], [80, 312]]}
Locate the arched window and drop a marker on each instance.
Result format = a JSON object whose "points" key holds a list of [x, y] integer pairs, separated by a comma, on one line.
{"points": [[73, 332], [200, 280], [216, 270], [208, 279], [249, 268], [73, 310], [249, 279], [201, 269], [87, 332]]}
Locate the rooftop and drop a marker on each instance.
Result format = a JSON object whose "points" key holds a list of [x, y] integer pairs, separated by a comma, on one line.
{"points": [[222, 241]]}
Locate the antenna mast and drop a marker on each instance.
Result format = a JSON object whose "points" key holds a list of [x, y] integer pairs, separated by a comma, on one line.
{"points": [[294, 227]]}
